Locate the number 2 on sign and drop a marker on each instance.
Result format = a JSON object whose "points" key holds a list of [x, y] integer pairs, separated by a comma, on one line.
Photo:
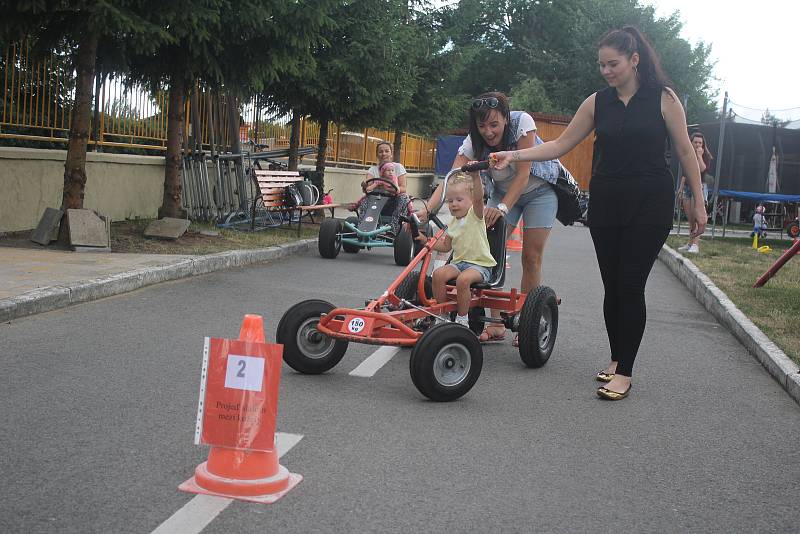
{"points": [[244, 372]]}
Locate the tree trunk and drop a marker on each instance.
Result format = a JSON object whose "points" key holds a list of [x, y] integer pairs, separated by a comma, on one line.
{"points": [[75, 165], [398, 145], [233, 123], [294, 141], [322, 146], [173, 189]]}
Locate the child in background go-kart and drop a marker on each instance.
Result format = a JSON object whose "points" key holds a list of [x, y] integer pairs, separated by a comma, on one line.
{"points": [[387, 172], [466, 236]]}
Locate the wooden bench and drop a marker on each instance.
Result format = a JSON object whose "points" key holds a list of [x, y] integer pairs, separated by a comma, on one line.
{"points": [[271, 186]]}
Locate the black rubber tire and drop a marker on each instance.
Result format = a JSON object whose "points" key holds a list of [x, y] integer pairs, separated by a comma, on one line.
{"points": [[538, 326], [298, 326], [351, 249], [330, 239], [408, 288], [403, 248], [441, 346]]}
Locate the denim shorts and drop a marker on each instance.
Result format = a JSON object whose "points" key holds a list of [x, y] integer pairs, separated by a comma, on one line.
{"points": [[537, 208], [464, 265]]}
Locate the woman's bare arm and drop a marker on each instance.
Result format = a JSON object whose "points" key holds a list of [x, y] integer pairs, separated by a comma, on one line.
{"points": [[579, 127]]}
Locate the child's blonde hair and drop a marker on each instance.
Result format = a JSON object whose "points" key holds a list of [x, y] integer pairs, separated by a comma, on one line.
{"points": [[461, 178]]}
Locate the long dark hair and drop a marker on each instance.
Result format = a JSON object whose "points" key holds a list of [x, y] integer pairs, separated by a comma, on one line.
{"points": [[481, 114], [630, 40], [707, 156]]}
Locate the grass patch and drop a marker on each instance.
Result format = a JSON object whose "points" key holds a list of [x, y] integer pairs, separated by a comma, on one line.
{"points": [[127, 236], [734, 266]]}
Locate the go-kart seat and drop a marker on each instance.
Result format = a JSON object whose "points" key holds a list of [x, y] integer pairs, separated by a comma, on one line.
{"points": [[497, 246]]}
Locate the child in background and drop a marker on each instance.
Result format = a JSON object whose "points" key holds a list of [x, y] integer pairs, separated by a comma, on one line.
{"points": [[387, 172], [466, 236], [759, 223]]}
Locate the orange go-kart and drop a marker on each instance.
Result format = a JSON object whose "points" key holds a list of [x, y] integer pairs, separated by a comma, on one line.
{"points": [[446, 357]]}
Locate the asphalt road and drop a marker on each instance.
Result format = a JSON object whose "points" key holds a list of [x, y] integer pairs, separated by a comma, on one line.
{"points": [[99, 405]]}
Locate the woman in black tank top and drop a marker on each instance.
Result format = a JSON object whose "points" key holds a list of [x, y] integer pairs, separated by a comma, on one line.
{"points": [[631, 192]]}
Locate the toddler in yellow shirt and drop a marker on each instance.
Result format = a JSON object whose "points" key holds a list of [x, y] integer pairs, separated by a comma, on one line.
{"points": [[466, 235]]}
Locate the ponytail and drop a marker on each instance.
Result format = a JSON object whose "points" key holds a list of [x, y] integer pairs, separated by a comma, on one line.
{"points": [[630, 40]]}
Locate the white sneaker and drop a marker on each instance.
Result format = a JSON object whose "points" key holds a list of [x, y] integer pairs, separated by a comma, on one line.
{"points": [[684, 247], [694, 249], [462, 320]]}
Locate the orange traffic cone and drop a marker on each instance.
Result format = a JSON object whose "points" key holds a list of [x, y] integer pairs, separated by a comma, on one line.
{"points": [[244, 474], [515, 239]]}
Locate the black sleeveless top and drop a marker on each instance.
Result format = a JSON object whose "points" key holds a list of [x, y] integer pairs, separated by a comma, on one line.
{"points": [[631, 182]]}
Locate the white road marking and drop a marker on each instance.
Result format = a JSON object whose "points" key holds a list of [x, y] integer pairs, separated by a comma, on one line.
{"points": [[202, 509], [375, 361]]}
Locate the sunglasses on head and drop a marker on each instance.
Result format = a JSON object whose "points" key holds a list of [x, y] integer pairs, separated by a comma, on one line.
{"points": [[490, 103]]}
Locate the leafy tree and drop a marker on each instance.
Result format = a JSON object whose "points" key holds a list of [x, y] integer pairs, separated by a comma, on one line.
{"points": [[554, 42], [361, 74], [81, 28], [239, 46], [773, 120], [437, 102], [531, 95]]}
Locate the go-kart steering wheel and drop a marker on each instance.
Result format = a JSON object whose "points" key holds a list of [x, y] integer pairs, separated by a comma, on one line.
{"points": [[395, 190]]}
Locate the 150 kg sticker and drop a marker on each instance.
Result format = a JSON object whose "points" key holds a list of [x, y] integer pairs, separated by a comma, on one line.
{"points": [[356, 325]]}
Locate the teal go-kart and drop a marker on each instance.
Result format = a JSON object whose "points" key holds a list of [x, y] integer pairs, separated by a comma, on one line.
{"points": [[372, 229]]}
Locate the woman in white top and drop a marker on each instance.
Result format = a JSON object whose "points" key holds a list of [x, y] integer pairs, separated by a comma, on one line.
{"points": [[522, 190]]}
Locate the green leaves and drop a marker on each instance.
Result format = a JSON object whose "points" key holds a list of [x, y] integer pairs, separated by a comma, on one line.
{"points": [[510, 41]]}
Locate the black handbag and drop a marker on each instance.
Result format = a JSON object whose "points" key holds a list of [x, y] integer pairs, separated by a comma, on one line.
{"points": [[569, 193], [292, 196]]}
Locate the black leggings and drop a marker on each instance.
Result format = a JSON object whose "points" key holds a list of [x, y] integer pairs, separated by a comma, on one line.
{"points": [[626, 255]]}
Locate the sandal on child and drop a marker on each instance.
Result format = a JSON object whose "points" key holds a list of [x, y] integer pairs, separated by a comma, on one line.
{"points": [[515, 343]]}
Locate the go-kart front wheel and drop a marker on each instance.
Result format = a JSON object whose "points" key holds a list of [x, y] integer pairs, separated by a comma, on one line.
{"points": [[408, 288], [306, 349], [403, 248], [446, 362], [347, 247], [330, 238], [538, 326]]}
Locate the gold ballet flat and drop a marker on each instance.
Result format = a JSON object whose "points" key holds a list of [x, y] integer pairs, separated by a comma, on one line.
{"points": [[602, 376], [612, 395]]}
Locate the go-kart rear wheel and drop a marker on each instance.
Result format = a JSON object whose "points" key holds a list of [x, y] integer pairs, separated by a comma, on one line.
{"points": [[408, 288], [347, 247], [403, 247], [306, 349], [330, 239], [538, 326], [446, 362]]}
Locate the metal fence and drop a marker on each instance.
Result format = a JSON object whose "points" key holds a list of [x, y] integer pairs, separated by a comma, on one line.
{"points": [[37, 106]]}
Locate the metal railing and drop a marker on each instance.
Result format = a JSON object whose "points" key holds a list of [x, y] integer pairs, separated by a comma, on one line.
{"points": [[37, 106]]}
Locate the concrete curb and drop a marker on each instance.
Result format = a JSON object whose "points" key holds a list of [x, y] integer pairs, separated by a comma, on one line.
{"points": [[780, 366], [61, 296]]}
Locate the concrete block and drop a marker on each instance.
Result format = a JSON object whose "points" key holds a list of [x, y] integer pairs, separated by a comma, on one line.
{"points": [[87, 229], [167, 228], [47, 229]]}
